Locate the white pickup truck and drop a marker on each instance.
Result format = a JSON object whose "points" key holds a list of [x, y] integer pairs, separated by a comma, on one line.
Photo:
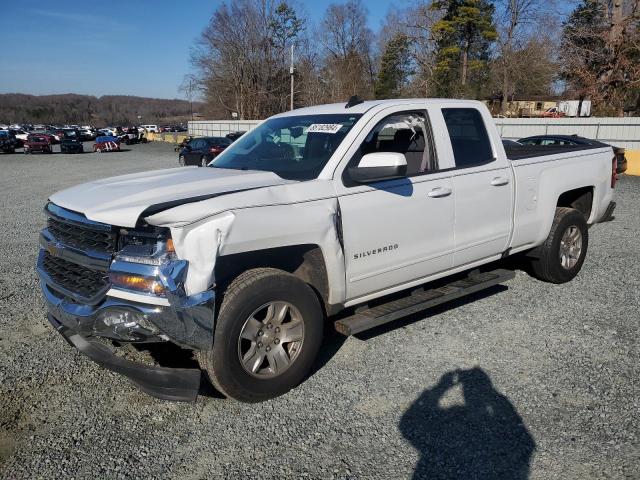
{"points": [[316, 212]]}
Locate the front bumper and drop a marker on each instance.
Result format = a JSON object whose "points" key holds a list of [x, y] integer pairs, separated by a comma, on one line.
{"points": [[178, 384]]}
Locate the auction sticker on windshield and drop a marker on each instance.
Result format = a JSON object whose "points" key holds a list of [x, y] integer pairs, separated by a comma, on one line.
{"points": [[324, 128]]}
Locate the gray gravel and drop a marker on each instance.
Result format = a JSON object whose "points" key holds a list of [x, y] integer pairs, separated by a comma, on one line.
{"points": [[534, 381]]}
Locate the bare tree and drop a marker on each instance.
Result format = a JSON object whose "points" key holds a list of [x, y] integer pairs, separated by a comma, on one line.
{"points": [[347, 42], [240, 57]]}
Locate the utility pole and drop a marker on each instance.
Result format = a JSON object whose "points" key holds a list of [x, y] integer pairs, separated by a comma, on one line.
{"points": [[291, 74], [191, 97]]}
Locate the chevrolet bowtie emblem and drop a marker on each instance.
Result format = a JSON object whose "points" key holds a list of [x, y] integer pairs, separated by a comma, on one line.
{"points": [[53, 249]]}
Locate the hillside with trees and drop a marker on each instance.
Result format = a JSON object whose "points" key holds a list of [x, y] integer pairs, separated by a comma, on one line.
{"points": [[480, 49], [85, 109]]}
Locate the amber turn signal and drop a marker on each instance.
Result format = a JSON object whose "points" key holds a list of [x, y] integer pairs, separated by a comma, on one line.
{"points": [[137, 283]]}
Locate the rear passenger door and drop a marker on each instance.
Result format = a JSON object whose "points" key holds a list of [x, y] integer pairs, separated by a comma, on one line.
{"points": [[483, 188]]}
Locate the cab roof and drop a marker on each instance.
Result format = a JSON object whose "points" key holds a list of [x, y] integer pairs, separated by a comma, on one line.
{"points": [[360, 108]]}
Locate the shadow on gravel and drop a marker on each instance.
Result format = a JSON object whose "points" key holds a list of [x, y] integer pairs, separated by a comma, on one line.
{"points": [[476, 434]]}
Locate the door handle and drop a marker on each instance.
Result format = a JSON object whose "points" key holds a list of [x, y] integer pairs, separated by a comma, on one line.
{"points": [[440, 192], [499, 181]]}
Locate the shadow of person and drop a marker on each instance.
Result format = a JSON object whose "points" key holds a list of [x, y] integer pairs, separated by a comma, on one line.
{"points": [[465, 429]]}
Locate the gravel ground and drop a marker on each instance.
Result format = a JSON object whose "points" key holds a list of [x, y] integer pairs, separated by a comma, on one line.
{"points": [[530, 381]]}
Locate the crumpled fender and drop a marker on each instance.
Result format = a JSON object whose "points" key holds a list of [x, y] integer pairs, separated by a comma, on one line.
{"points": [[258, 228], [199, 244]]}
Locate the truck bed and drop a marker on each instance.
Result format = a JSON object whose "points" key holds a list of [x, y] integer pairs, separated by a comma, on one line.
{"points": [[521, 152]]}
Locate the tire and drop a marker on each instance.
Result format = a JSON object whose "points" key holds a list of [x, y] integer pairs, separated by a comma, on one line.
{"points": [[547, 264], [181, 160], [242, 303], [203, 161]]}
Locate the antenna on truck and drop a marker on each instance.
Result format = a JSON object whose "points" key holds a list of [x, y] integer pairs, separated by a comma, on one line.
{"points": [[353, 101]]}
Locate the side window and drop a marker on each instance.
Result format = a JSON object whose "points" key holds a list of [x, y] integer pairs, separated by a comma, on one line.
{"points": [[469, 138], [408, 133]]}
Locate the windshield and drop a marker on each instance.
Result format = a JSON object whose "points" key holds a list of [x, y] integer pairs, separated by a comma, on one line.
{"points": [[292, 147], [70, 133]]}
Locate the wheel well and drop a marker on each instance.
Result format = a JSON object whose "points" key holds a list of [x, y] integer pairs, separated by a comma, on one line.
{"points": [[581, 199], [304, 261]]}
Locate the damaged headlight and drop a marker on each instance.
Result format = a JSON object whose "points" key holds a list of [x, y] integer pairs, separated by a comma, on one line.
{"points": [[153, 247]]}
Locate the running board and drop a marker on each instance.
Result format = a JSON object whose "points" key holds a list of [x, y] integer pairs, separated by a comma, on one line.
{"points": [[419, 300]]}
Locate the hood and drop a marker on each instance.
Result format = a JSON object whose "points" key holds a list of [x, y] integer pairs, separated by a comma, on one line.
{"points": [[122, 200]]}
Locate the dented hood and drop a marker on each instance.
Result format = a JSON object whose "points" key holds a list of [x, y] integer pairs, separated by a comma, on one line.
{"points": [[121, 200]]}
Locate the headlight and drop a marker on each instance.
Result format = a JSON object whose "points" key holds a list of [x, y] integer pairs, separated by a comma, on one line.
{"points": [[154, 247]]}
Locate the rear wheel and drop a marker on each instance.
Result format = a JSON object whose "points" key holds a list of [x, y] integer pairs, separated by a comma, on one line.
{"points": [[267, 336], [560, 257], [203, 161]]}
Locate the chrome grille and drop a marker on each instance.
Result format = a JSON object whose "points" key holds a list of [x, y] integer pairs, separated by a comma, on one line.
{"points": [[74, 278], [82, 237]]}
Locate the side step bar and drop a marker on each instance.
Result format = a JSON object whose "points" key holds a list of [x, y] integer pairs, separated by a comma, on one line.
{"points": [[419, 300]]}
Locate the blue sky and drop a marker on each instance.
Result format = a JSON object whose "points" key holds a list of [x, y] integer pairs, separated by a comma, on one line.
{"points": [[114, 47]]}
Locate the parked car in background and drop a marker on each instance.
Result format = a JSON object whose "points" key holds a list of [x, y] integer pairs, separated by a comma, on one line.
{"points": [[130, 135], [86, 134], [38, 142], [107, 143], [8, 143], [510, 143], [71, 141], [200, 151], [150, 128], [105, 132], [233, 136], [560, 140], [20, 135]]}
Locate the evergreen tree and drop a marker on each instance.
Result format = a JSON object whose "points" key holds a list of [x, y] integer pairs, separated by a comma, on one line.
{"points": [[394, 67], [464, 37]]}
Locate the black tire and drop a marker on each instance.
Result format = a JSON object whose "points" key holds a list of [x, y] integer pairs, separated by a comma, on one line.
{"points": [[203, 161], [181, 160], [546, 264], [248, 292]]}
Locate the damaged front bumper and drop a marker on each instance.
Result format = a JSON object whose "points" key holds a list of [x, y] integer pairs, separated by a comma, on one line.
{"points": [[126, 316], [178, 384]]}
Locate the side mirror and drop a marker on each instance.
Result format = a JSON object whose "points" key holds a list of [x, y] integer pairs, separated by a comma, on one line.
{"points": [[375, 167]]}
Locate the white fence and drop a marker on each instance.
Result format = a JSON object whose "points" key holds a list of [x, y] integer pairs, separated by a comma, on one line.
{"points": [[621, 132], [219, 128]]}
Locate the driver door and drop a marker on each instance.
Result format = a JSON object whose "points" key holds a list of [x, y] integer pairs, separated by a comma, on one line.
{"points": [[397, 231]]}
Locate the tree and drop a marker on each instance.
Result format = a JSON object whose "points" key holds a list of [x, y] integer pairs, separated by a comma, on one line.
{"points": [[464, 35], [241, 58], [600, 53], [348, 66], [394, 67], [285, 26]]}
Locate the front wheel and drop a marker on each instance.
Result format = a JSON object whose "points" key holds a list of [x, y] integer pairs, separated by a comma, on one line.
{"points": [[560, 257], [203, 161], [267, 336], [181, 160]]}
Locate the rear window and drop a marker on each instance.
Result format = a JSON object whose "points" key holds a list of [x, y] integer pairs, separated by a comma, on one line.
{"points": [[469, 138], [219, 141]]}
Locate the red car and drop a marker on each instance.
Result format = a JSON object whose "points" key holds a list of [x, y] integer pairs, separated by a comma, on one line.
{"points": [[38, 143]]}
